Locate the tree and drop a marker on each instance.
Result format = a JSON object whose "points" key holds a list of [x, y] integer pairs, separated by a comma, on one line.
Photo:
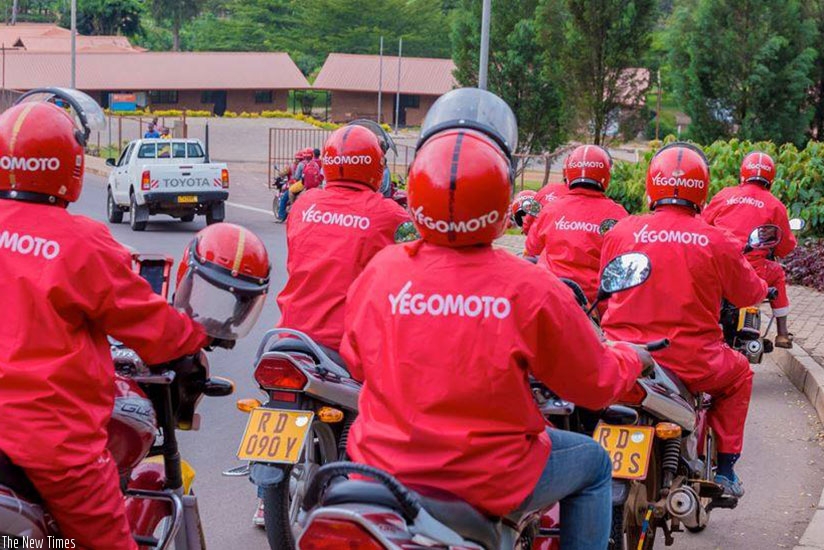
{"points": [[175, 13], [522, 69], [106, 17], [815, 11], [743, 67], [604, 41]]}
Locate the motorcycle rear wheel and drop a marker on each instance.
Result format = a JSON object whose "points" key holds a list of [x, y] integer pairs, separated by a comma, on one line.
{"points": [[281, 503], [632, 526]]}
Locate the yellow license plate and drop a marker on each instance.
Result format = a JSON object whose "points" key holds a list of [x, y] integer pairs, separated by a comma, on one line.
{"points": [[629, 448], [275, 436], [187, 198]]}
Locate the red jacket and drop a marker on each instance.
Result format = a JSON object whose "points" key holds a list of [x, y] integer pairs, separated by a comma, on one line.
{"points": [[694, 266], [551, 192], [567, 236], [742, 208], [68, 285], [332, 234], [444, 341]]}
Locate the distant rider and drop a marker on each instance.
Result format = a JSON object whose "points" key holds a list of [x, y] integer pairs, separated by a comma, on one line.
{"points": [[694, 266], [741, 209], [445, 330]]}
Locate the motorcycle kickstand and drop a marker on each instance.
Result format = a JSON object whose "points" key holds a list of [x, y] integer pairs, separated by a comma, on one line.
{"points": [[669, 540]]}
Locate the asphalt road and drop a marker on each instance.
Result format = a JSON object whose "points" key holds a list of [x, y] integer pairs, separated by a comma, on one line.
{"points": [[783, 464]]}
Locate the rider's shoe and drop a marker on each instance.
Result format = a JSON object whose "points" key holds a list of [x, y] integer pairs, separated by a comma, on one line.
{"points": [[784, 341], [732, 487], [257, 519]]}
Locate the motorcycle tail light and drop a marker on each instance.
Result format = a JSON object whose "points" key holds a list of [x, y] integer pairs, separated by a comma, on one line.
{"points": [[279, 373], [224, 178], [146, 181], [667, 430], [334, 534], [247, 405], [635, 395]]}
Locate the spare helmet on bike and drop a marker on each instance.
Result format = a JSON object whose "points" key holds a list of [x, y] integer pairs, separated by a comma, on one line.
{"points": [[678, 174], [523, 206], [42, 145], [460, 183], [589, 165], [223, 280], [758, 167], [353, 154]]}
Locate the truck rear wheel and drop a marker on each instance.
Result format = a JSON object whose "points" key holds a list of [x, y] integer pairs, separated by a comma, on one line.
{"points": [[188, 217], [113, 212], [215, 214], [133, 208]]}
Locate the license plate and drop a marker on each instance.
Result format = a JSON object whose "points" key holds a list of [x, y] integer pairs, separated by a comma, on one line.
{"points": [[628, 447], [187, 198], [275, 436]]}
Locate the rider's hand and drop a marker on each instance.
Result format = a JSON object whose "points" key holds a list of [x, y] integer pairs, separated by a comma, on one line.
{"points": [[646, 360]]}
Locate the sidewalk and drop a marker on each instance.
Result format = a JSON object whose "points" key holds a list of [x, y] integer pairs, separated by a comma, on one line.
{"points": [[803, 365]]}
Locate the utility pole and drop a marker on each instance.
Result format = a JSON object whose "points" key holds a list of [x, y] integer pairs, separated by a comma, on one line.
{"points": [[483, 69], [14, 13], [74, 44], [398, 96], [380, 82], [658, 108]]}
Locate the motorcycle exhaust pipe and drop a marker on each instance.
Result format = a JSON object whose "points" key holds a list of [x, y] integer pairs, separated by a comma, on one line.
{"points": [[683, 504]]}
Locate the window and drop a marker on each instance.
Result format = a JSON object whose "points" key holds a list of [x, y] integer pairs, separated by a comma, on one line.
{"points": [[209, 96], [147, 151], [163, 97], [411, 101], [264, 96], [195, 151], [164, 150], [124, 155], [178, 150]]}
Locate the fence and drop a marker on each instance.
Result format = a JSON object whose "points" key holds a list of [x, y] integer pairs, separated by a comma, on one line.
{"points": [[285, 142]]}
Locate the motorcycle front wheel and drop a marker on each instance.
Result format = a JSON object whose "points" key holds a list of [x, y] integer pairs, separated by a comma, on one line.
{"points": [[281, 503]]}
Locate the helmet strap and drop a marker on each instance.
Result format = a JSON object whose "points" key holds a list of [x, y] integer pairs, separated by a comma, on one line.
{"points": [[586, 184], [37, 198]]}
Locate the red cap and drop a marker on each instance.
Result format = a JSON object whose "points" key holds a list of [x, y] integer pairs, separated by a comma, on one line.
{"points": [[678, 174], [40, 152], [758, 167], [353, 154], [588, 164], [459, 189]]}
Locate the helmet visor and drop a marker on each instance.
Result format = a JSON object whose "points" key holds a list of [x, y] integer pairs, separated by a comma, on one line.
{"points": [[87, 113], [224, 314], [386, 141], [473, 108]]}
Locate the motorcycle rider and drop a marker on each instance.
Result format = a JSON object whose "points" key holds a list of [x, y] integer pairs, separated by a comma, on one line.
{"points": [[295, 177], [522, 211], [694, 266], [331, 235], [71, 286], [741, 209], [567, 234], [440, 328], [551, 192]]}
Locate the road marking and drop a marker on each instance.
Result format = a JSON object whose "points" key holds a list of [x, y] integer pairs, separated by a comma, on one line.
{"points": [[251, 208]]}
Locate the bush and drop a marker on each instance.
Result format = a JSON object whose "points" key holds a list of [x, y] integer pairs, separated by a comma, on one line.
{"points": [[168, 112], [805, 266], [230, 114], [198, 114], [799, 179]]}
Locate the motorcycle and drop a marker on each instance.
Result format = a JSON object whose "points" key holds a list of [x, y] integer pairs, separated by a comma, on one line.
{"points": [[149, 407], [384, 514]]}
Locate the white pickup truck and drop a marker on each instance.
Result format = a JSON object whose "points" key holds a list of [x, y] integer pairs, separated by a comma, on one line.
{"points": [[166, 176]]}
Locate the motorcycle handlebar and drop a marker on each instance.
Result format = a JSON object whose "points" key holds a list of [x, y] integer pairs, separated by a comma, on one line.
{"points": [[772, 293], [657, 345]]}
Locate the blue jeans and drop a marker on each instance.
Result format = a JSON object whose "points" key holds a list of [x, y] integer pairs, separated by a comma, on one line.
{"points": [[284, 201], [579, 475]]}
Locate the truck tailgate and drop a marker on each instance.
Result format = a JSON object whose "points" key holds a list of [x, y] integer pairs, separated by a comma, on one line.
{"points": [[191, 178]]}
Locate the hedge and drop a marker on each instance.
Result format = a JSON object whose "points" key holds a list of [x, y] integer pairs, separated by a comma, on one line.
{"points": [[799, 176]]}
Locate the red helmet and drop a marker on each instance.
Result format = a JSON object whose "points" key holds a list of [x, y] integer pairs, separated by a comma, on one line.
{"points": [[758, 167], [223, 279], [41, 145], [588, 164], [306, 154], [678, 174], [524, 206], [459, 189], [353, 154]]}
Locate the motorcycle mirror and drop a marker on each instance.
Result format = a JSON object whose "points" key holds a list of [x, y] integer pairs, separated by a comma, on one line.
{"points": [[606, 225], [797, 224], [624, 272], [218, 387], [763, 237], [531, 207], [406, 233]]}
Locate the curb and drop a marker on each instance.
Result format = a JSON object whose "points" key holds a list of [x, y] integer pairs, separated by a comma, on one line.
{"points": [[808, 377], [97, 167]]}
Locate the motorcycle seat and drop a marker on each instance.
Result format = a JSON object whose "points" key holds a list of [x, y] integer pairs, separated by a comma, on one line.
{"points": [[293, 344], [15, 479], [688, 396], [460, 516]]}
